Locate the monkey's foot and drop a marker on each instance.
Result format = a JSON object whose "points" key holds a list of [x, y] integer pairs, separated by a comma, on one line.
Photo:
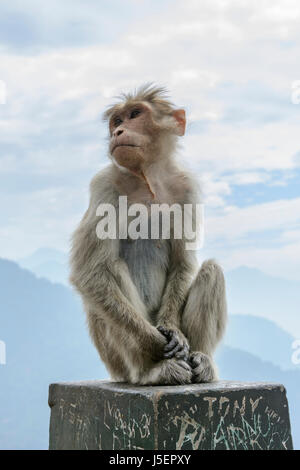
{"points": [[176, 371], [169, 372], [203, 368]]}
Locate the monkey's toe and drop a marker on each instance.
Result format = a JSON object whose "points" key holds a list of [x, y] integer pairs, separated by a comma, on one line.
{"points": [[203, 368], [175, 372]]}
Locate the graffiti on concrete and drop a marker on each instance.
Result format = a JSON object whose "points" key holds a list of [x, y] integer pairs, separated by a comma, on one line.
{"points": [[125, 429], [232, 425], [226, 416]]}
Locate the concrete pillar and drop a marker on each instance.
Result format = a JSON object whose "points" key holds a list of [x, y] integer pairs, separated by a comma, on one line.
{"points": [[115, 416]]}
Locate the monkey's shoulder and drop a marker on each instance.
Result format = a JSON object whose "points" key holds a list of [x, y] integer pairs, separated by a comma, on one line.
{"points": [[102, 188], [184, 187]]}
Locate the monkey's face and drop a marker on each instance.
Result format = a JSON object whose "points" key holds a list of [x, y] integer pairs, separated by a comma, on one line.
{"points": [[139, 135], [134, 137]]}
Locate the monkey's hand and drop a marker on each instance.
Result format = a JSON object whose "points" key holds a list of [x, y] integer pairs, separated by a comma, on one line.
{"points": [[177, 345]]}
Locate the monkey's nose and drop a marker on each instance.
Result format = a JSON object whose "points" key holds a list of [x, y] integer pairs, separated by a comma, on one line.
{"points": [[118, 132]]}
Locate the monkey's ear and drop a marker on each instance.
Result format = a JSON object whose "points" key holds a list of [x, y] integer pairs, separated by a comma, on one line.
{"points": [[179, 116]]}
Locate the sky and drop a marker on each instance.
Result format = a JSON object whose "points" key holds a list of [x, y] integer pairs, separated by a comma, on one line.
{"points": [[231, 64]]}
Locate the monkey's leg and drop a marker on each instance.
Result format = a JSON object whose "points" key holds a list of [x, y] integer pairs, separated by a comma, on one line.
{"points": [[204, 319], [125, 357], [168, 372]]}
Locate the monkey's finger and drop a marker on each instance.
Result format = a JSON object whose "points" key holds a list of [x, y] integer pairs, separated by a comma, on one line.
{"points": [[164, 331], [184, 365], [183, 354], [171, 344], [193, 362], [173, 352]]}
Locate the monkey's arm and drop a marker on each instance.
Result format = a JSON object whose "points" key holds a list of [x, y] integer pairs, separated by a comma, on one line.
{"points": [[181, 272], [178, 283], [102, 278], [169, 316]]}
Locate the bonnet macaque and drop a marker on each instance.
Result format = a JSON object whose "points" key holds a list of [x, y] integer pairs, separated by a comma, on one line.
{"points": [[152, 315]]}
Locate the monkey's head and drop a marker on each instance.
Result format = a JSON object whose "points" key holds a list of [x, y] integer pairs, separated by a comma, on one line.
{"points": [[143, 129]]}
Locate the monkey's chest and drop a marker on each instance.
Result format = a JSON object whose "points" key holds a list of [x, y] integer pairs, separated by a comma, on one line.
{"points": [[148, 262]]}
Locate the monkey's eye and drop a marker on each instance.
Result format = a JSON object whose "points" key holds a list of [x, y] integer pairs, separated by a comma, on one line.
{"points": [[117, 121], [135, 113]]}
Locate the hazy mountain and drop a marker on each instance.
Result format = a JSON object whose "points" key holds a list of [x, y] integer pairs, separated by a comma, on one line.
{"points": [[44, 329], [48, 263], [43, 255], [249, 291], [262, 338], [252, 292], [235, 364]]}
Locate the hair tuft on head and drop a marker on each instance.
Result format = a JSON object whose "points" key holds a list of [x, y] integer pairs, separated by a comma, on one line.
{"points": [[156, 95]]}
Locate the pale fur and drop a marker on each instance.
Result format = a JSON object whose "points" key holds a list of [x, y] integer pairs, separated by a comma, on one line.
{"points": [[123, 308]]}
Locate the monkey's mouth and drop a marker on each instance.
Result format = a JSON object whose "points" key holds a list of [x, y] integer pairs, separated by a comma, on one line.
{"points": [[123, 145]]}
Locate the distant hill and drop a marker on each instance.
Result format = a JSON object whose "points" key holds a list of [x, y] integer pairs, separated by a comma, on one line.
{"points": [[43, 255], [262, 338], [252, 292], [235, 364], [44, 329], [256, 299], [48, 263]]}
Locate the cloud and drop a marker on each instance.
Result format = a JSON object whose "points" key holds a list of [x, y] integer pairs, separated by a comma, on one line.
{"points": [[230, 63], [230, 148], [31, 219], [282, 262], [263, 236], [72, 23], [239, 222]]}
